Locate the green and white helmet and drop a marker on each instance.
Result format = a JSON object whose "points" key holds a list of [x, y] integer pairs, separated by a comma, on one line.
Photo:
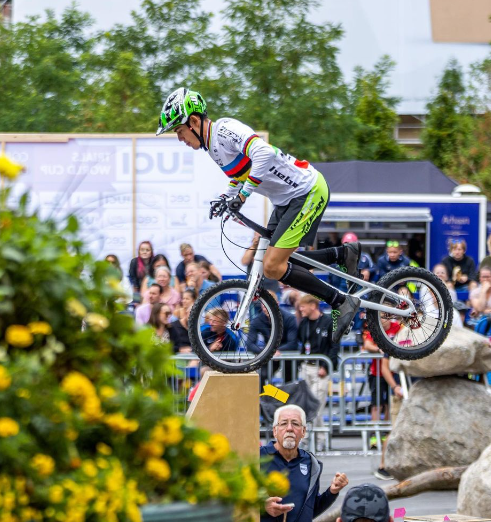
{"points": [[178, 107]]}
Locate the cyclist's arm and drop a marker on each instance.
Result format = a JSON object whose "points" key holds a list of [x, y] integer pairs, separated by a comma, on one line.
{"points": [[261, 155], [237, 138]]}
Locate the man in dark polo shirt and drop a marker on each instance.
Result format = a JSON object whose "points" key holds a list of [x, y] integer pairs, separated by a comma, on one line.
{"points": [[304, 502]]}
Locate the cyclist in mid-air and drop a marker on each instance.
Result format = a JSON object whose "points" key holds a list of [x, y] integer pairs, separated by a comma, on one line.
{"points": [[297, 190]]}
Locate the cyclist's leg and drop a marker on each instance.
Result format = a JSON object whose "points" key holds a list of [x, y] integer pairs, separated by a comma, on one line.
{"points": [[294, 225]]}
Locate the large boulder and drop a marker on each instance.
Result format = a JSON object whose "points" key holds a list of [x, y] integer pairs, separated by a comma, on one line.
{"points": [[474, 498], [446, 421], [463, 351]]}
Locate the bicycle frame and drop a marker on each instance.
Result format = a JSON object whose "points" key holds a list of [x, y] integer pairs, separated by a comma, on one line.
{"points": [[257, 272]]}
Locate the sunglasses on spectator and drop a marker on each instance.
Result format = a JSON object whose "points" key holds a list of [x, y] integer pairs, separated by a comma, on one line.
{"points": [[392, 243], [456, 241]]}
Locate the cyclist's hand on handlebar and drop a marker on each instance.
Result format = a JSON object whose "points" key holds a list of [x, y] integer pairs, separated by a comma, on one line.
{"points": [[218, 206], [236, 203]]}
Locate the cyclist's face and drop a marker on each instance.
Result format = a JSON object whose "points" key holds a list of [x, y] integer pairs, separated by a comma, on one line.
{"points": [[184, 134]]}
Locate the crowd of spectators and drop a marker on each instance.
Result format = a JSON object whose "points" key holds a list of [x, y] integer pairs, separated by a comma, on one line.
{"points": [[162, 298]]}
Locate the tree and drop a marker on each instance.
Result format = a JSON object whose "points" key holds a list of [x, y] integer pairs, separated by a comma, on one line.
{"points": [[279, 73], [471, 161], [43, 74], [447, 124], [167, 45], [375, 114]]}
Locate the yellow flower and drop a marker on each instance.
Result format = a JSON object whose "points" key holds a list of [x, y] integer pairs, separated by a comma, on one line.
{"points": [[118, 423], [63, 406], [209, 479], [8, 168], [78, 386], [71, 434], [55, 494], [158, 469], [103, 449], [43, 464], [18, 336], [40, 327], [8, 427], [172, 426], [277, 484], [75, 307], [89, 468], [107, 392], [23, 393], [249, 492], [91, 409], [152, 394], [5, 379], [203, 451], [102, 463], [220, 445], [151, 449], [97, 322]]}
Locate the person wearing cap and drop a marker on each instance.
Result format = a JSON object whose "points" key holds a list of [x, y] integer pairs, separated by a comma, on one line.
{"points": [[392, 259], [366, 266], [303, 502], [365, 503]]}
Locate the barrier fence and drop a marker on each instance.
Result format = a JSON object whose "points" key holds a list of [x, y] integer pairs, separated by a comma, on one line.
{"points": [[350, 406]]}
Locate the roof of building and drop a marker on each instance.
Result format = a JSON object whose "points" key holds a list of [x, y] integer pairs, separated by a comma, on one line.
{"points": [[407, 177]]}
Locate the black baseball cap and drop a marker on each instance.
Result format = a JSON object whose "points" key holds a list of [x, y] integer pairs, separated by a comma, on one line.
{"points": [[365, 501]]}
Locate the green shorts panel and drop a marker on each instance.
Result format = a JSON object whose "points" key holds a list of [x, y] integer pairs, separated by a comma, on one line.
{"points": [[296, 223]]}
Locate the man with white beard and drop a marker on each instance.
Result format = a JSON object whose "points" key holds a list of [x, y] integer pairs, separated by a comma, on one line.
{"points": [[304, 502]]}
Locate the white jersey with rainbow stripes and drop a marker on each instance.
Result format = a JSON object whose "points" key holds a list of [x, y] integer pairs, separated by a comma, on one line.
{"points": [[253, 165]]}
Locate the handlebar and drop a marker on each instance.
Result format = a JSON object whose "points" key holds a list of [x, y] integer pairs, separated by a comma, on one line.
{"points": [[262, 231]]}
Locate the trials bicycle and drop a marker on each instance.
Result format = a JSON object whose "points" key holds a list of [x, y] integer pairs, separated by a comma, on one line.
{"points": [[226, 333]]}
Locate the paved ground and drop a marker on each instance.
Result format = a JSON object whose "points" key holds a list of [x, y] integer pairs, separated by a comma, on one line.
{"points": [[359, 470]]}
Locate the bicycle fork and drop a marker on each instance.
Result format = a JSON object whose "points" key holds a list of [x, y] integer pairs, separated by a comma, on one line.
{"points": [[254, 279]]}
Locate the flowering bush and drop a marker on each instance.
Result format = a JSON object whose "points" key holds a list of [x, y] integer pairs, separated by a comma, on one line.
{"points": [[86, 425]]}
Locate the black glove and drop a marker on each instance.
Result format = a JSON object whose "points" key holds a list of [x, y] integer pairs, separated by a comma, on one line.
{"points": [[218, 206], [235, 204]]}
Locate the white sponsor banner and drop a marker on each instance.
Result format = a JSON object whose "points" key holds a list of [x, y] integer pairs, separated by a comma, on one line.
{"points": [[92, 178]]}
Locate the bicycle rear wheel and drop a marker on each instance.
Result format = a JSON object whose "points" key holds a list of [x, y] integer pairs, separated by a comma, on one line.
{"points": [[423, 332], [230, 350]]}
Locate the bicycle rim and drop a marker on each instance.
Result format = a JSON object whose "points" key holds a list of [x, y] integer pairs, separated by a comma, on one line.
{"points": [[231, 350], [419, 334]]}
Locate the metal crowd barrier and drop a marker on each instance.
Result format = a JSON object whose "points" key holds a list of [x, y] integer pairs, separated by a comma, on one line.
{"points": [[355, 398], [347, 407]]}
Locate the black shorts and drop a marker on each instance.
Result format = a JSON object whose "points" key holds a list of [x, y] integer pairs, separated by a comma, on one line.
{"points": [[296, 223], [382, 394]]}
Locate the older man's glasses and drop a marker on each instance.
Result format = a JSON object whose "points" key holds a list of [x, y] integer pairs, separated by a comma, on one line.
{"points": [[294, 424]]}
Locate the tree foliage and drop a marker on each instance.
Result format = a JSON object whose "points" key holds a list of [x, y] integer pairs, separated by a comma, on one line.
{"points": [[375, 114], [270, 66], [284, 76], [447, 122]]}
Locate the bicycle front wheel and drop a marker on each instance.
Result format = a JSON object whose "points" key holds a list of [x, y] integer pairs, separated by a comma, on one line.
{"points": [[230, 350], [424, 331]]}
